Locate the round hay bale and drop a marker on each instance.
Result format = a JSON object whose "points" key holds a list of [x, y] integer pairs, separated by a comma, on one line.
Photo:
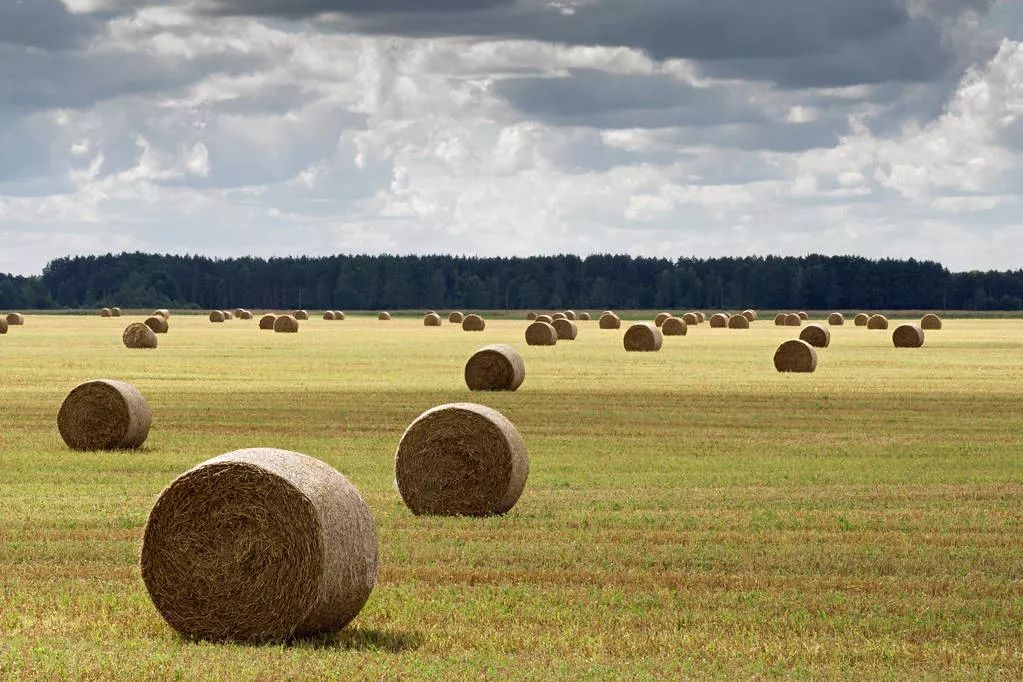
{"points": [[104, 414], [816, 335], [609, 321], [541, 334], [702, 317], [497, 367], [795, 356], [558, 316], [877, 322], [431, 320], [544, 318], [530, 316], [246, 315], [803, 316], [779, 320], [607, 312], [217, 316], [861, 320], [105, 312], [259, 545], [285, 324], [456, 318], [570, 315], [908, 336], [300, 314], [690, 319], [158, 323], [15, 319], [674, 326], [661, 317], [3, 325], [793, 320], [384, 316], [267, 321], [643, 337], [739, 321], [162, 312], [115, 312], [567, 330], [718, 321], [836, 319], [584, 317], [329, 315], [338, 315], [237, 312], [473, 323], [429, 312], [930, 321], [461, 459], [228, 315], [138, 335], [750, 315]]}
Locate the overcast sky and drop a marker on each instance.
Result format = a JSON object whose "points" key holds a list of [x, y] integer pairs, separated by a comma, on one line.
{"points": [[512, 127]]}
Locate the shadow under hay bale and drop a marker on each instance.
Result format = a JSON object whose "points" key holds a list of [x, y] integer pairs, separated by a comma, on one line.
{"points": [[816, 335], [138, 335], [497, 367], [541, 334], [643, 337], [908, 336], [795, 356], [104, 414]]}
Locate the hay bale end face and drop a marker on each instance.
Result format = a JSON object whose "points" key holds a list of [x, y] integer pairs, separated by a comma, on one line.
{"points": [[836, 319], [739, 321], [567, 330], [259, 545], [750, 315], [285, 324], [431, 320], [661, 317], [816, 335], [104, 414], [795, 356], [473, 323], [877, 322], [162, 312], [105, 312], [115, 312], [803, 316], [691, 319], [329, 315], [584, 317], [246, 315], [609, 321], [228, 315], [861, 320], [703, 318], [461, 459], [384, 316], [793, 320], [300, 315], [570, 315], [338, 315], [719, 321], [3, 325], [930, 321], [541, 334], [643, 337], [908, 336], [15, 319], [456, 317], [674, 326], [267, 321], [497, 367], [138, 335], [217, 316], [158, 323], [779, 320], [530, 316]]}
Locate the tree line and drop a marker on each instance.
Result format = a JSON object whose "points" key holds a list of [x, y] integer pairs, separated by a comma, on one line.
{"points": [[360, 282]]}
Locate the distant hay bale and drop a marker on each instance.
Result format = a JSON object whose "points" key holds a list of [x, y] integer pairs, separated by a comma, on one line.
{"points": [[674, 326], [115, 312], [861, 320], [643, 337], [908, 336], [431, 320], [473, 323], [803, 315], [162, 312], [245, 315], [544, 318], [461, 459], [105, 312], [497, 367], [384, 316], [217, 316], [779, 320], [718, 320], [530, 316], [138, 335], [15, 319], [816, 335], [238, 312], [286, 324], [259, 545], [300, 315], [338, 315], [793, 320], [158, 323], [455, 318], [104, 414], [877, 322], [541, 334], [267, 321], [228, 315], [3, 325], [558, 316], [836, 319], [661, 317], [739, 321], [930, 321], [329, 315], [750, 315], [567, 330], [795, 356], [429, 312], [690, 319], [609, 321], [702, 317], [584, 317], [570, 315], [606, 312]]}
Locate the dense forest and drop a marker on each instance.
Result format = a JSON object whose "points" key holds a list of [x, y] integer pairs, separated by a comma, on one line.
{"points": [[550, 282]]}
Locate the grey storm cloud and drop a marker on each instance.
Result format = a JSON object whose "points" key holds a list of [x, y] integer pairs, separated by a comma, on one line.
{"points": [[44, 24]]}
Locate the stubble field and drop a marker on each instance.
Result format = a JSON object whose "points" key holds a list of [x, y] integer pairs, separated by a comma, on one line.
{"points": [[688, 513]]}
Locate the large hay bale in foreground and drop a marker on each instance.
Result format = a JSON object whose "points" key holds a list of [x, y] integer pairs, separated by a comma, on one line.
{"points": [[300, 315], [816, 335], [497, 367], [795, 356], [691, 319], [530, 316], [930, 321], [544, 318], [456, 317], [750, 315], [267, 321], [384, 316], [780, 320], [158, 323], [461, 459], [643, 337], [739, 321], [674, 326], [431, 320], [217, 316], [473, 323], [104, 312], [162, 312], [15, 319], [570, 315], [104, 414], [908, 336], [661, 317], [259, 545], [115, 312], [285, 324], [3, 325], [718, 321], [609, 321], [567, 330], [877, 322], [861, 320], [584, 317], [836, 319], [328, 315], [138, 335], [541, 334], [793, 320]]}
